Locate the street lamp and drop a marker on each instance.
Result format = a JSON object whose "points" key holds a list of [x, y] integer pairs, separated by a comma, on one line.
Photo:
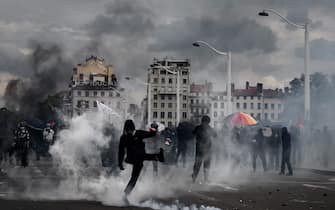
{"points": [[305, 27], [178, 87], [228, 54], [149, 94]]}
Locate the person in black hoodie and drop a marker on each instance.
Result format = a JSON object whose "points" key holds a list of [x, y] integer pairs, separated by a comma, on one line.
{"points": [[132, 143], [257, 148], [203, 148], [286, 147]]}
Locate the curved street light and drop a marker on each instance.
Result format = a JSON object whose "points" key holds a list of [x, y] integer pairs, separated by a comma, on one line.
{"points": [[305, 27], [228, 54], [178, 87]]}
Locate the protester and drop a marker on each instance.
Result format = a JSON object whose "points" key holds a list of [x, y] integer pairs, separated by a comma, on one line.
{"points": [[274, 147], [296, 145], [170, 144], [257, 149], [132, 143], [22, 143], [203, 151], [153, 145], [185, 135], [286, 152], [327, 146], [48, 138]]}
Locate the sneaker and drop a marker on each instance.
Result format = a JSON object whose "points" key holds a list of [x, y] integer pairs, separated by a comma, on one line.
{"points": [[161, 155]]}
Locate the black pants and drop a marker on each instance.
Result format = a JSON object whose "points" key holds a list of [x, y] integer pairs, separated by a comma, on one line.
{"points": [[274, 158], [137, 167], [199, 159], [181, 152], [286, 161], [258, 153]]}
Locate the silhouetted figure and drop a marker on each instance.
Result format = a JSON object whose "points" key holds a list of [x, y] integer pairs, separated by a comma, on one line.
{"points": [[22, 143], [274, 147], [257, 149], [170, 144], [153, 145], [131, 143], [286, 152], [203, 151], [185, 135], [296, 145], [327, 146]]}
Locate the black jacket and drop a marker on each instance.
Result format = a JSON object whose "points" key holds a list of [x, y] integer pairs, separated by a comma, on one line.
{"points": [[286, 141], [203, 135], [134, 146]]}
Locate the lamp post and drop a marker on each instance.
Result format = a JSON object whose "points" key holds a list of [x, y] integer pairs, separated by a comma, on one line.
{"points": [[178, 88], [306, 28], [228, 54], [149, 95]]}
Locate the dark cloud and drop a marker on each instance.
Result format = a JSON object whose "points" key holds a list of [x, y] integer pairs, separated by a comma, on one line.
{"points": [[320, 49], [123, 18]]}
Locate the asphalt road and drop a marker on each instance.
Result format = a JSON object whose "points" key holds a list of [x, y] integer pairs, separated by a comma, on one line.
{"points": [[305, 190]]}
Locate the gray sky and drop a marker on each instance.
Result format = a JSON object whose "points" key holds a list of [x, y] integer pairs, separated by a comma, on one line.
{"points": [[129, 33]]}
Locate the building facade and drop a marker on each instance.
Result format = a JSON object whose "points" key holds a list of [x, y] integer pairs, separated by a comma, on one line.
{"points": [[92, 81], [163, 93], [200, 100], [262, 104]]}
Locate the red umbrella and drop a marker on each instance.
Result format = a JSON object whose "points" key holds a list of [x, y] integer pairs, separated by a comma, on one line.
{"points": [[241, 118]]}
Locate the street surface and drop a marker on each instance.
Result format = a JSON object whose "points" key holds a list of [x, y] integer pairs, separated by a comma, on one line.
{"points": [[305, 190]]}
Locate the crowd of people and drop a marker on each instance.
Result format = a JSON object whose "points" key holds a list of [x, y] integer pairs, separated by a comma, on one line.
{"points": [[276, 147]]}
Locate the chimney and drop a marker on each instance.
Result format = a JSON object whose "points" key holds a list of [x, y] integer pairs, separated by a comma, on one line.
{"points": [[247, 85], [259, 88]]}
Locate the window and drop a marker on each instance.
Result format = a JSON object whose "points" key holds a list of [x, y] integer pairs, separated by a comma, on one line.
{"points": [[162, 115], [272, 106], [169, 115], [197, 101], [79, 93], [244, 97], [184, 115], [244, 105], [155, 115], [156, 80], [215, 114], [102, 93], [273, 116], [169, 124], [237, 105], [252, 114], [237, 97], [87, 94], [184, 106], [95, 93], [251, 97], [266, 116], [162, 105], [202, 101], [222, 105], [184, 81], [170, 81], [81, 77], [184, 72], [215, 105], [251, 105], [258, 106], [192, 101], [155, 105], [163, 72], [170, 97], [95, 104], [202, 111], [111, 94], [265, 106], [162, 97], [184, 97], [163, 81], [155, 97], [258, 116], [87, 105], [170, 105]]}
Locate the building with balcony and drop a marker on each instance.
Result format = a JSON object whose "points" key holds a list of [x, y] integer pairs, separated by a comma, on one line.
{"points": [[163, 93], [94, 81]]}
